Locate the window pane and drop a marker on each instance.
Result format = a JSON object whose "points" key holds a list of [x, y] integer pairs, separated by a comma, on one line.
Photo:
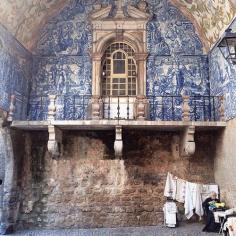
{"points": [[122, 80], [119, 66], [118, 58], [122, 86], [115, 80], [115, 92]]}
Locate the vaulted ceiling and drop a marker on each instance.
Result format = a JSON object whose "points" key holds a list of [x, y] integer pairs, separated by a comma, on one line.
{"points": [[25, 18]]}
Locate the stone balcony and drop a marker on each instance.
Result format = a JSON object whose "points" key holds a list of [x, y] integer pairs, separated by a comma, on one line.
{"points": [[132, 108], [185, 115]]}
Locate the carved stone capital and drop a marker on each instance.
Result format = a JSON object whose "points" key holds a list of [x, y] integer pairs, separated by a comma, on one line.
{"points": [[55, 146], [118, 144], [96, 56], [188, 145], [141, 56]]}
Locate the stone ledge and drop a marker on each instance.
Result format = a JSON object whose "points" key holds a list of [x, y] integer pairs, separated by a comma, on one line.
{"points": [[111, 124]]}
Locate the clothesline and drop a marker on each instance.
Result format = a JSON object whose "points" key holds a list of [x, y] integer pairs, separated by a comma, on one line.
{"points": [[191, 194]]}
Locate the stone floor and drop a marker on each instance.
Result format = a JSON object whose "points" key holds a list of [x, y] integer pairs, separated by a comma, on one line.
{"points": [[183, 230]]}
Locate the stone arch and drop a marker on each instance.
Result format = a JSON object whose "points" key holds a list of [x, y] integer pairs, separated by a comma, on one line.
{"points": [[126, 38]]}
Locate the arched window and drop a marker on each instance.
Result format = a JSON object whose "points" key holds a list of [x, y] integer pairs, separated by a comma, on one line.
{"points": [[119, 71]]}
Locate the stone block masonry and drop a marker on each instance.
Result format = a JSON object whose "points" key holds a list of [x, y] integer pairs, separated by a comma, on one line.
{"points": [[87, 187]]}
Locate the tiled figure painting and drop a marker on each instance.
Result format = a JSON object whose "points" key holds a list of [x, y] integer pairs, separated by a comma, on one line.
{"points": [[61, 76], [177, 75], [223, 81], [176, 64], [15, 74]]}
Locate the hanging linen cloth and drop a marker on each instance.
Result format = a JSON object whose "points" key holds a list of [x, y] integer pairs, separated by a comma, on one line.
{"points": [[193, 200], [180, 190], [170, 187]]}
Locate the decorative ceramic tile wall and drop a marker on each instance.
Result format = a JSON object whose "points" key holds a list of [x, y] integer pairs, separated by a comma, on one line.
{"points": [[62, 76], [223, 82], [19, 16], [15, 74], [176, 64], [223, 79]]}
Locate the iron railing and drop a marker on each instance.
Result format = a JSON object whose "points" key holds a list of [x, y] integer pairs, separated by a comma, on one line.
{"points": [[163, 108], [121, 107], [205, 108], [169, 108]]}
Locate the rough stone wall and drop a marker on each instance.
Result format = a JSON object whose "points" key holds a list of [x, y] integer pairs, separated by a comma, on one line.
{"points": [[225, 163], [87, 187], [11, 151]]}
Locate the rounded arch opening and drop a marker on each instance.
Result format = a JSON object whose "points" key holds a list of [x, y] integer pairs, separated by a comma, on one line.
{"points": [[126, 38]]}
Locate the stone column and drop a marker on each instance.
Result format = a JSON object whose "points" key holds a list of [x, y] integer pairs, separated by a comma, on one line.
{"points": [[141, 73], [9, 201], [141, 103], [96, 75], [96, 102]]}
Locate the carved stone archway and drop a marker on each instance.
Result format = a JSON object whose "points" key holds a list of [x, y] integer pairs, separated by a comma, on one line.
{"points": [[129, 26]]}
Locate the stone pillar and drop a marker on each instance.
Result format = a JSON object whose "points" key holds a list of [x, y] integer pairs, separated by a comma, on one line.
{"points": [[96, 74], [11, 109], [96, 101], [96, 110], [185, 109], [118, 145], [141, 108], [9, 204], [141, 103], [141, 73]]}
